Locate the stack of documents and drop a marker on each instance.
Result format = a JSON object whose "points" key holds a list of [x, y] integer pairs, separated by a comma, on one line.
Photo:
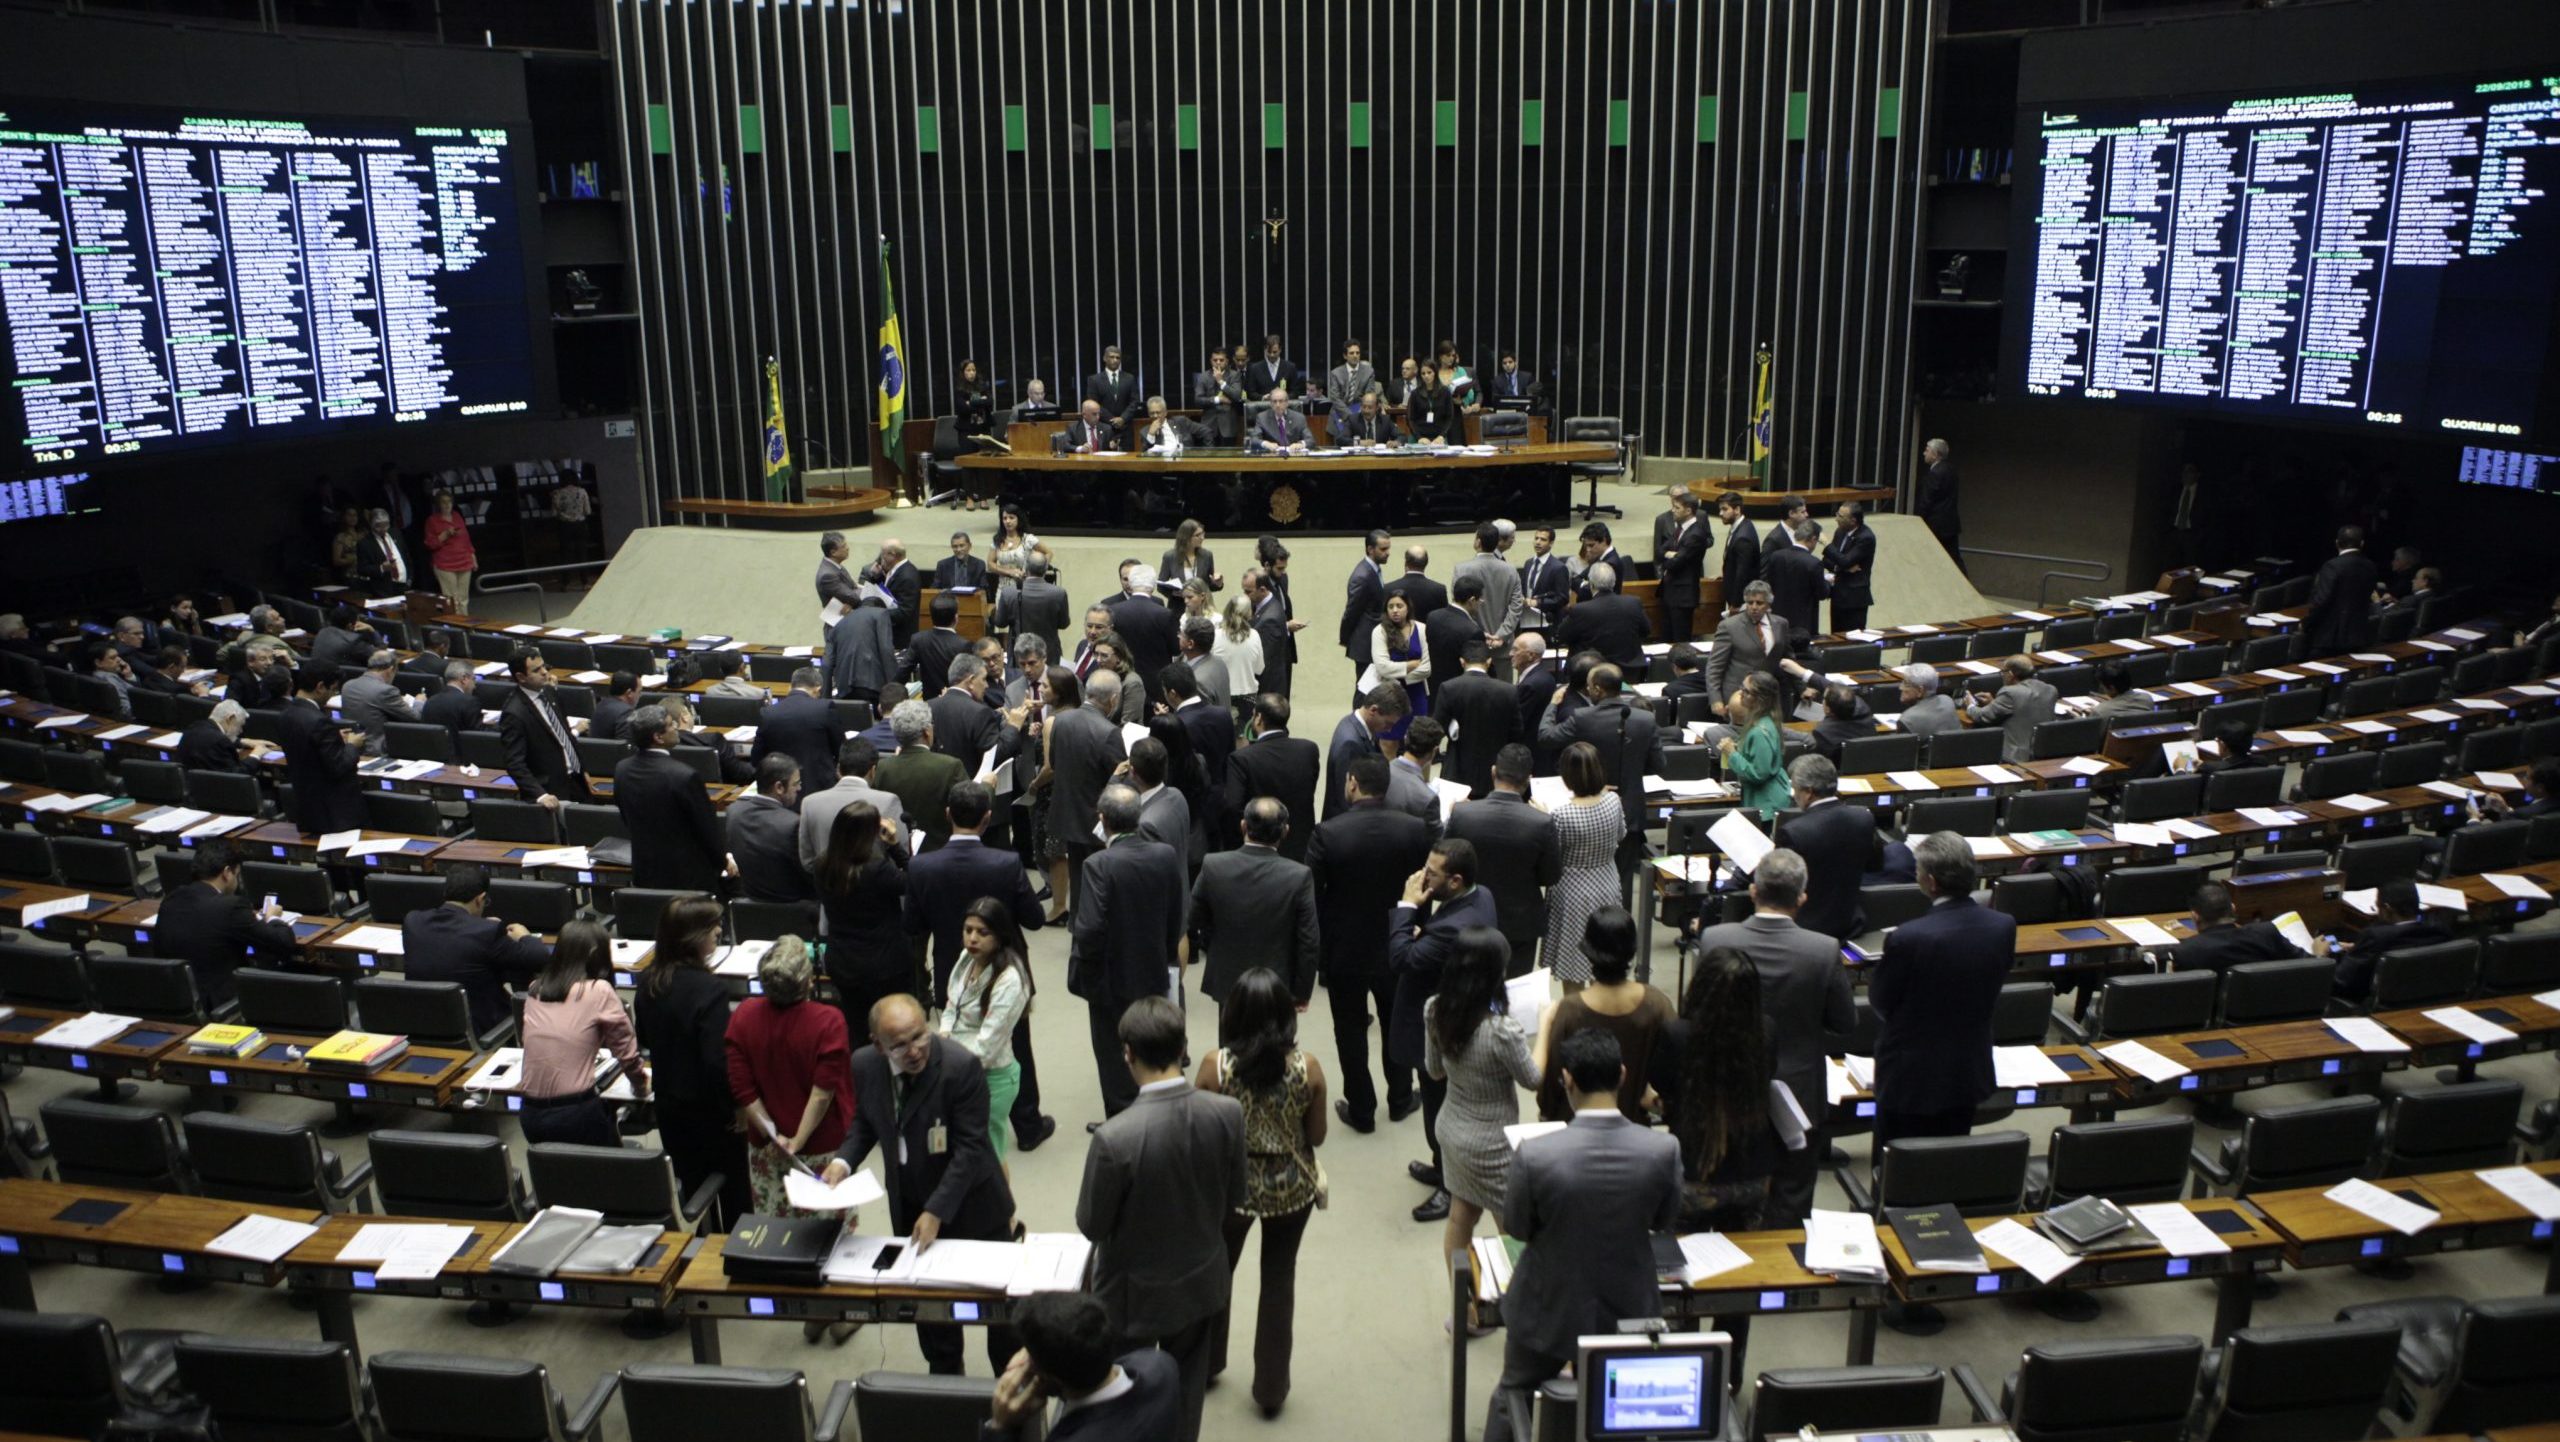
{"points": [[401, 1250], [2025, 1066], [1843, 1245], [261, 1238], [1493, 1268], [96, 1028], [1709, 1254]]}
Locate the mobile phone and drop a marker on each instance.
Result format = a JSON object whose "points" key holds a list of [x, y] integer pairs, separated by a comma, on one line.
{"points": [[889, 1256], [271, 902]]}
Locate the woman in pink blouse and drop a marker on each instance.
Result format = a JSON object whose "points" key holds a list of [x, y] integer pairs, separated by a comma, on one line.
{"points": [[570, 1013], [449, 552]]}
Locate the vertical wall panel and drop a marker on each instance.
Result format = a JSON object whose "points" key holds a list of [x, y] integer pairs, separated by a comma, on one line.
{"points": [[1633, 195]]}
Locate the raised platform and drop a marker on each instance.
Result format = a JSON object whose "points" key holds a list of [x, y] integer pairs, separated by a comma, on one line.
{"points": [[832, 497], [1820, 503]]}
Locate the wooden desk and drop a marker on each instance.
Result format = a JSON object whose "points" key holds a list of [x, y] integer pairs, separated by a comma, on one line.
{"points": [[425, 1077], [135, 1051], [2434, 1044], [2226, 1062], [1296, 469], [151, 1232], [2320, 1233], [2093, 1079], [284, 841], [2255, 1247], [706, 1297], [2496, 1221], [17, 896]]}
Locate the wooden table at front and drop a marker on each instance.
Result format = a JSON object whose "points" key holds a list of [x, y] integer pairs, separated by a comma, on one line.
{"points": [[705, 1296], [1555, 453], [2255, 1247], [2470, 1215], [152, 1232], [315, 1268], [425, 1076], [133, 1052], [2536, 1025]]}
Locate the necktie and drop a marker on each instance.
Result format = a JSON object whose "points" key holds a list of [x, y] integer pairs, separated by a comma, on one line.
{"points": [[1764, 636], [559, 733], [1515, 383], [391, 551], [1092, 435]]}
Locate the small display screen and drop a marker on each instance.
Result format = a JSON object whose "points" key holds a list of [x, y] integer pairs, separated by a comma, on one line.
{"points": [[1650, 1394], [2214, 1050]]}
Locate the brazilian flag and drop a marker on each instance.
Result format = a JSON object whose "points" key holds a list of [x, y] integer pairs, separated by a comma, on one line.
{"points": [[777, 443], [893, 371], [1764, 415]]}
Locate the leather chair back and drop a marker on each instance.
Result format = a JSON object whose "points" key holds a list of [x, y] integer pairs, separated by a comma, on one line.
{"points": [[1846, 1399], [225, 792], [1869, 755], [2307, 1144], [2134, 1389], [2481, 846], [768, 920], [433, 1397], [1982, 1175], [2363, 865], [2413, 764], [2517, 961], [2344, 774], [1978, 746], [495, 820], [2509, 1373], [2264, 991], [675, 1403], [1963, 815], [2124, 1162], [162, 783], [921, 1408], [2244, 786], [2079, 736], [2298, 707], [2302, 1383], [2022, 1014], [391, 896], [2459, 1127], [2047, 811], [636, 909], [2424, 975], [462, 1175], [94, 861], [59, 1374], [155, 987], [296, 888], [40, 975], [1892, 904], [2148, 890], [2156, 798], [2028, 897], [630, 1185], [537, 906], [99, 1144], [417, 741], [271, 1389], [1939, 650], [429, 1013], [2154, 1003], [262, 1163], [291, 1001]]}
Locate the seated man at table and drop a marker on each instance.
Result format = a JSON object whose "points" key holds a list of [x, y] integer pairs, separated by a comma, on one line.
{"points": [[1926, 710], [2221, 941], [960, 571], [214, 744], [458, 942], [1845, 718], [209, 925], [2541, 784], [2117, 695], [1279, 428], [1104, 1390], [2399, 924]]}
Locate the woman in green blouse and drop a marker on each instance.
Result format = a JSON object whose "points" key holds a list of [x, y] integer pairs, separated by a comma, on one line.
{"points": [[1754, 761]]}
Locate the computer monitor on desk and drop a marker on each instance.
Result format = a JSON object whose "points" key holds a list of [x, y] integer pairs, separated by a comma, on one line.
{"points": [[1666, 1387]]}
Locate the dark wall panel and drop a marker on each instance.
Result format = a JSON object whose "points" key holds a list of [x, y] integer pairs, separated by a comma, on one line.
{"points": [[1634, 195]]}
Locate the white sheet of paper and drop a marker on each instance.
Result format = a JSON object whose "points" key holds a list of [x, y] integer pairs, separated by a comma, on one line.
{"points": [[1842, 1243], [2142, 1061], [1996, 774], [2025, 1066], [262, 1238], [1742, 842], [2367, 728], [1515, 1135], [1836, 1085], [1709, 1254], [2468, 1023], [2189, 829], [2358, 802], [2086, 765], [1051, 1262], [35, 911], [2180, 1232], [2435, 716], [57, 723], [2324, 668], [2363, 901], [1988, 847], [1525, 997], [2143, 833], [572, 856], [2500, 780], [2447, 788], [808, 1193], [1911, 780], [384, 940], [2475, 703], [2268, 816], [419, 1254], [2143, 932], [2027, 1247], [338, 840], [2365, 1034], [2432, 897], [1856, 786], [2172, 638], [2522, 888], [1452, 792], [999, 779], [1862, 1071], [91, 1029], [2302, 738], [176, 818], [2396, 1212], [2526, 1188], [1977, 668]]}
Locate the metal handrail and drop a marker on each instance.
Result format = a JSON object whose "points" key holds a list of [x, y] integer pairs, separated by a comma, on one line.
{"points": [[541, 603], [2106, 569]]}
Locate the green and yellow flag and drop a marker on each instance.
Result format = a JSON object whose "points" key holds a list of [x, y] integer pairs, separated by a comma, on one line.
{"points": [[1764, 415], [777, 442], [893, 371]]}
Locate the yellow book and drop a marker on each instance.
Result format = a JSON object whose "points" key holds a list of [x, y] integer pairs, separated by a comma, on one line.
{"points": [[354, 1048], [226, 1039]]}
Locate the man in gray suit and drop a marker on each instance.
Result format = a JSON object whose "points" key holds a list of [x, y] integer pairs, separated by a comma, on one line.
{"points": [[1125, 941], [1160, 1180], [862, 652], [1518, 853], [835, 583], [1255, 907], [1586, 1201], [1084, 749], [856, 760], [1926, 710], [1162, 813], [2022, 704], [373, 699], [1499, 607], [1804, 996], [1754, 638], [1038, 605]]}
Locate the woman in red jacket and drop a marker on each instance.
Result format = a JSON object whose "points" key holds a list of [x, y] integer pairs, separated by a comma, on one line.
{"points": [[449, 552]]}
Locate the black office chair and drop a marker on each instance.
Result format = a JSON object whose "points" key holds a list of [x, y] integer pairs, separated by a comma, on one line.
{"points": [[161, 783], [600, 754], [2133, 1389], [36, 974], [398, 811], [465, 1176], [100, 1144], [2147, 1004], [2079, 736], [2157, 798], [2270, 863], [291, 1003], [23, 1150], [1975, 746], [2028, 811], [151, 987], [2342, 774], [2455, 1128], [68, 1374], [390, 896], [2199, 663], [2148, 890], [2125, 1162], [1689, 763], [429, 1013], [2469, 851], [2028, 898], [26, 856], [2466, 1367], [270, 1165], [2257, 992], [632, 1186], [2300, 706], [97, 864], [1605, 430], [582, 824], [2298, 1384], [1964, 815], [1982, 1175], [2244, 786], [1848, 656], [2021, 1014], [2420, 686], [296, 888], [225, 793], [2363, 865], [674, 1403], [1996, 645], [1940, 650], [78, 772], [917, 1407], [2077, 680], [1845, 1399], [2268, 651], [417, 741], [574, 700], [484, 749], [769, 920], [270, 1389], [432, 1397], [2064, 634], [541, 907], [2413, 764], [2518, 962], [2425, 975], [2307, 1144], [730, 710], [636, 909], [21, 761], [2499, 749], [1892, 904], [1870, 755], [525, 821]]}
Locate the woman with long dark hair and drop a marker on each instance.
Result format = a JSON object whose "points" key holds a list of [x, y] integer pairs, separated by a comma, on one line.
{"points": [[1472, 1046], [1631, 1010], [1281, 1087], [1189, 558], [1187, 773], [990, 992], [569, 1012], [683, 1019], [1396, 658], [1715, 1060], [973, 416], [862, 885]]}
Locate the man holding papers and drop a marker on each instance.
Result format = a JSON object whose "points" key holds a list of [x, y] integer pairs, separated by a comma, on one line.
{"points": [[921, 1099], [213, 928], [2399, 924], [1934, 990], [2221, 941]]}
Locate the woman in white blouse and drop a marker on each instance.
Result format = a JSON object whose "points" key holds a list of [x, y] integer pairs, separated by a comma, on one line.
{"points": [[1240, 646], [990, 993]]}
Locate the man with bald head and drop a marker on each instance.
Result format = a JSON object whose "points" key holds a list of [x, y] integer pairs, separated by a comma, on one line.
{"points": [[920, 1098], [894, 573], [1255, 907]]}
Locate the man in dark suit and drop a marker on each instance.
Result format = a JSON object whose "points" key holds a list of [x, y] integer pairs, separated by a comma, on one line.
{"points": [[2540, 797], [802, 726], [1596, 548], [960, 570], [1804, 998], [1153, 635], [893, 573], [1585, 1201], [456, 708], [384, 566], [1447, 631], [1276, 764], [1482, 716], [918, 775], [1218, 394], [214, 929], [1126, 937], [675, 837], [1518, 853], [2222, 942], [1115, 390], [862, 652], [1845, 717], [1361, 859], [1355, 737], [930, 650], [1741, 548], [1688, 675], [1160, 1181], [2340, 617], [1534, 679], [1796, 582], [968, 729], [542, 759], [1546, 582], [1612, 624], [1937, 503], [1039, 605], [1933, 991], [1255, 907], [213, 744], [1364, 598], [2400, 922], [1280, 428], [1211, 729], [835, 583], [1680, 563], [436, 648], [1835, 839], [920, 1100], [1271, 624], [613, 709], [1851, 561], [321, 757], [456, 942], [1422, 595], [1618, 725], [1439, 901], [763, 832], [1103, 1393], [941, 884], [1090, 433], [1273, 372]]}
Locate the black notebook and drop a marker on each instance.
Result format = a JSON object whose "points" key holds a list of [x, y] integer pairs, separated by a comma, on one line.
{"points": [[780, 1251], [1936, 1239]]}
